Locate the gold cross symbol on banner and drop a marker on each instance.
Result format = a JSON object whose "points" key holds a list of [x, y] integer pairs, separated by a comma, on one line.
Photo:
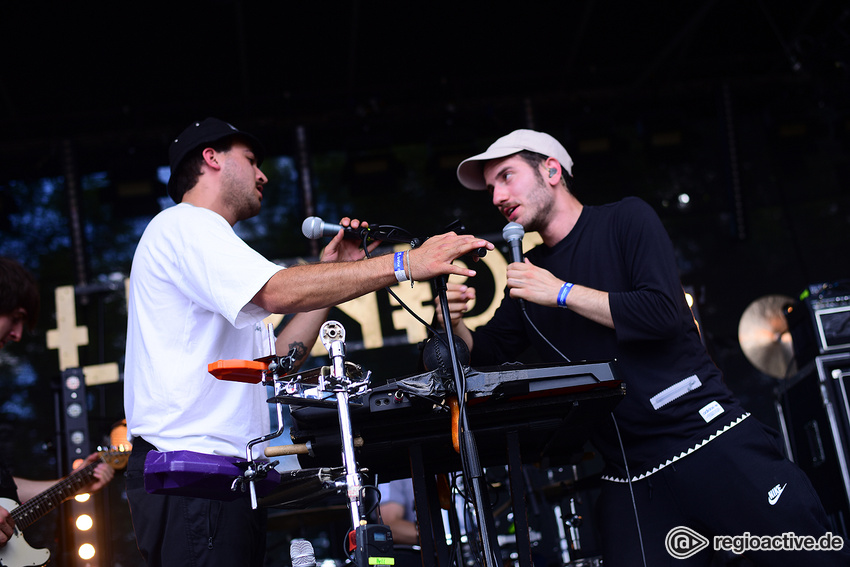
{"points": [[67, 337]]}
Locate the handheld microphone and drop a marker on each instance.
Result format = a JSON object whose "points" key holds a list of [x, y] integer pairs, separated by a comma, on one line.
{"points": [[302, 554], [513, 233], [315, 228]]}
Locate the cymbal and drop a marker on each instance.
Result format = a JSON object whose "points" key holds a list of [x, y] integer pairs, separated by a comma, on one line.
{"points": [[764, 336]]}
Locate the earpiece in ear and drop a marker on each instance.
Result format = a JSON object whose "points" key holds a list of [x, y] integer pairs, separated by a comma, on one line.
{"points": [[553, 171]]}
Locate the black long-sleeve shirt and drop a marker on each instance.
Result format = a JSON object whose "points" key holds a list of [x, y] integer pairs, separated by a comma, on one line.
{"points": [[675, 397]]}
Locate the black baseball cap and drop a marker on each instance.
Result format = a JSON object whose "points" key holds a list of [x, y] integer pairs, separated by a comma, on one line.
{"points": [[204, 132]]}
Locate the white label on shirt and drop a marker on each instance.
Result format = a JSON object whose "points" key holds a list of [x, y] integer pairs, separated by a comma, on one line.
{"points": [[711, 411], [675, 391]]}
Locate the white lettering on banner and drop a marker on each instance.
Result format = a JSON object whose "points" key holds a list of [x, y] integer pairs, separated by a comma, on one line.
{"points": [[497, 264], [275, 319], [364, 310], [421, 301]]}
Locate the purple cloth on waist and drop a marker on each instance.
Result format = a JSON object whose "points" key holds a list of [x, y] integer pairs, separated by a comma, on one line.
{"points": [[186, 473]]}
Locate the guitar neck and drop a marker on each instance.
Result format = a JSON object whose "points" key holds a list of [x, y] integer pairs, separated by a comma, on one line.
{"points": [[38, 506]]}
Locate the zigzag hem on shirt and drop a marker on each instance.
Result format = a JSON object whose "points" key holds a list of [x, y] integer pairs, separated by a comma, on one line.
{"points": [[681, 455]]}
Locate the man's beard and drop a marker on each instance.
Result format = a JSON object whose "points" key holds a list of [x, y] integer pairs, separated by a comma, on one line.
{"points": [[239, 199], [539, 200]]}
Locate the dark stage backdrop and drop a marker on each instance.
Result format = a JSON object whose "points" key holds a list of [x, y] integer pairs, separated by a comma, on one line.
{"points": [[752, 181]]}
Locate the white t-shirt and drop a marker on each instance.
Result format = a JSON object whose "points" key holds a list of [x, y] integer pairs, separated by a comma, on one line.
{"points": [[189, 304]]}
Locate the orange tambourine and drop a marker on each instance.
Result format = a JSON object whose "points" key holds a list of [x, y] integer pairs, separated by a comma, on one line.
{"points": [[248, 371]]}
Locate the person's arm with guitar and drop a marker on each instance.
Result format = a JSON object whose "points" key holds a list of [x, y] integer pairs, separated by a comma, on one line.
{"points": [[19, 306], [28, 489]]}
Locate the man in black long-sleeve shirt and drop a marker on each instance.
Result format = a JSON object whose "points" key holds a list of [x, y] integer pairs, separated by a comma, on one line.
{"points": [[604, 285]]}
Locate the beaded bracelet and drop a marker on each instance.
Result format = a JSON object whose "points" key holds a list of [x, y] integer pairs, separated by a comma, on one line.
{"points": [[562, 294]]}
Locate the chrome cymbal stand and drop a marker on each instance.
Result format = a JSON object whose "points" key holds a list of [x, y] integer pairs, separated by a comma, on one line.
{"points": [[368, 544], [332, 335]]}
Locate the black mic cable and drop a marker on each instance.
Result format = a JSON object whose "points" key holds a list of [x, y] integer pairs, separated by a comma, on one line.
{"points": [[513, 233], [631, 488]]}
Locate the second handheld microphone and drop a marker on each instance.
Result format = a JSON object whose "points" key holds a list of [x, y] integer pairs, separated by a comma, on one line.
{"points": [[315, 228], [513, 233]]}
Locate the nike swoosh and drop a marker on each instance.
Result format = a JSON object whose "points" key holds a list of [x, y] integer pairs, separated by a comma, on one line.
{"points": [[774, 498]]}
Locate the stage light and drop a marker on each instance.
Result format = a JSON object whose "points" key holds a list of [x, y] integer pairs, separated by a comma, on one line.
{"points": [[81, 515], [86, 551], [85, 535], [84, 522], [690, 298]]}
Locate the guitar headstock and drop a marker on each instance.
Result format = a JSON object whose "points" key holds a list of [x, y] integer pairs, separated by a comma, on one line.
{"points": [[116, 457]]}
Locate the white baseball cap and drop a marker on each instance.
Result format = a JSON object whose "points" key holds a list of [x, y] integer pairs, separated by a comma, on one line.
{"points": [[470, 172]]}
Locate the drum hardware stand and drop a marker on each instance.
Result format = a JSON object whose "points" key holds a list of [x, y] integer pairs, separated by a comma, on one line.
{"points": [[277, 367], [569, 522], [332, 335], [573, 522], [370, 541]]}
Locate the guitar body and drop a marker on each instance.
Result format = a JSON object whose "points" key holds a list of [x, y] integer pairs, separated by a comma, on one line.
{"points": [[17, 552]]}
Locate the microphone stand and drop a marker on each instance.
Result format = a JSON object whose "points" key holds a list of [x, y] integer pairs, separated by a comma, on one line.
{"points": [[468, 447]]}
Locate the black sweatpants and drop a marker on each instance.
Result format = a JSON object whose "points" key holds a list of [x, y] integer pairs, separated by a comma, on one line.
{"points": [[178, 531], [738, 483]]}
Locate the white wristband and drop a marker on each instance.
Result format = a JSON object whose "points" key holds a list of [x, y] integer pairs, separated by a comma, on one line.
{"points": [[398, 267]]}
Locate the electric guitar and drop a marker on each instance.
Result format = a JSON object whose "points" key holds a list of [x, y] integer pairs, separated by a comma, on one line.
{"points": [[17, 552]]}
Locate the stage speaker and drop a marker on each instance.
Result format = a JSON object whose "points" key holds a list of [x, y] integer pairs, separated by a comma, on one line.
{"points": [[820, 321], [814, 415]]}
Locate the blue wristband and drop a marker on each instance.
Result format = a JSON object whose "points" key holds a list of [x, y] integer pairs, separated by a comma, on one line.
{"points": [[398, 267], [562, 294]]}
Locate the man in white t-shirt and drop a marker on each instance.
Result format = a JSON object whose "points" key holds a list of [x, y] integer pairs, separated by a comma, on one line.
{"points": [[198, 294]]}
